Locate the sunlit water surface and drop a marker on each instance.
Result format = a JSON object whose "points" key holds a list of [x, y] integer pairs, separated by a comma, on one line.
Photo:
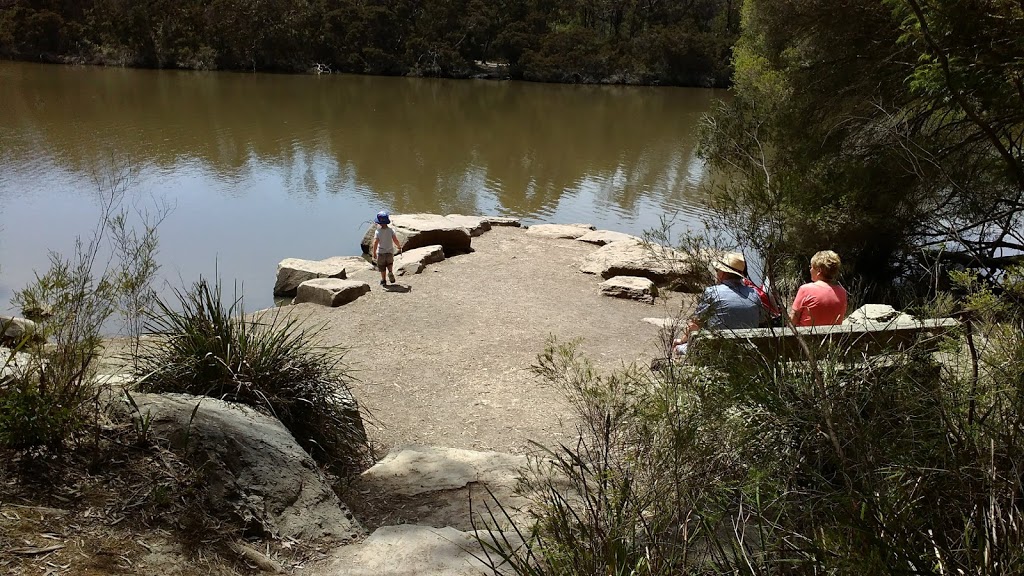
{"points": [[260, 167]]}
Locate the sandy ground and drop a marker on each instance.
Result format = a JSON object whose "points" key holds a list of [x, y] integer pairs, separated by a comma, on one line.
{"points": [[445, 358]]}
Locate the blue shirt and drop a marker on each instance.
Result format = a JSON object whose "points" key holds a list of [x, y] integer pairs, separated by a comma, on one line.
{"points": [[729, 305]]}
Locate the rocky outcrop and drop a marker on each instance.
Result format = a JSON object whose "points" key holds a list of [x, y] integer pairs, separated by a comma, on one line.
{"points": [[251, 466], [566, 231], [602, 237], [294, 271], [330, 291], [632, 287], [419, 230], [414, 261], [15, 330], [664, 266]]}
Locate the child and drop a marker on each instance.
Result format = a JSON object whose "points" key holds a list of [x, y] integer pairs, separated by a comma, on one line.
{"points": [[383, 238]]}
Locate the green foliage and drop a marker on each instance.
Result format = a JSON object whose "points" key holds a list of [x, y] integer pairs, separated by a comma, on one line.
{"points": [[42, 406], [877, 129], [757, 467], [51, 396], [576, 41], [207, 347]]}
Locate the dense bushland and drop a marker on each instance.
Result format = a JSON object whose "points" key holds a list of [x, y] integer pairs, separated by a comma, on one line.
{"points": [[887, 130], [906, 464], [620, 41]]}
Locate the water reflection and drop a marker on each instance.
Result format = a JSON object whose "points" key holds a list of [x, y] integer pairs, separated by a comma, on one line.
{"points": [[239, 151]]}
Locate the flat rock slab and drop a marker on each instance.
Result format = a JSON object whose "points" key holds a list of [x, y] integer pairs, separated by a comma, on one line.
{"points": [[419, 230], [352, 264], [631, 258], [294, 271], [476, 225], [602, 237], [253, 469], [409, 549], [425, 255], [415, 470], [631, 287], [566, 231], [503, 221], [331, 292], [414, 261], [876, 313]]}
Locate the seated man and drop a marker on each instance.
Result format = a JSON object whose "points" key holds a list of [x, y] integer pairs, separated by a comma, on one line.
{"points": [[728, 305]]}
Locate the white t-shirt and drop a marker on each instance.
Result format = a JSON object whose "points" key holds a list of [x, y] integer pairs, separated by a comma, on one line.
{"points": [[385, 238]]}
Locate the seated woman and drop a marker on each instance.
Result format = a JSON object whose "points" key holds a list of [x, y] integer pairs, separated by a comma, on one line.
{"points": [[823, 301]]}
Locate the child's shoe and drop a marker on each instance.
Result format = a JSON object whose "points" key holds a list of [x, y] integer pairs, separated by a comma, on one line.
{"points": [[391, 277], [383, 283]]}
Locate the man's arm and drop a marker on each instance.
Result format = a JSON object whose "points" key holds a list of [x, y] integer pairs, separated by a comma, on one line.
{"points": [[690, 329]]}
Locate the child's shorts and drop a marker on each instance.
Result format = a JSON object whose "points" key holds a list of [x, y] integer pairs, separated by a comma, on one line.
{"points": [[385, 259]]}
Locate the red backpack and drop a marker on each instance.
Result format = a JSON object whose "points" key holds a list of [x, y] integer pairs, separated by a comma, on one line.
{"points": [[766, 300]]}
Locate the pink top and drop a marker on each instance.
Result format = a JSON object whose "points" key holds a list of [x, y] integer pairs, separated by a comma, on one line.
{"points": [[819, 304]]}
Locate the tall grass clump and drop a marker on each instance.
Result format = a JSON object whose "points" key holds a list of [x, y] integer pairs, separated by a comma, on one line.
{"points": [[906, 463], [206, 346]]}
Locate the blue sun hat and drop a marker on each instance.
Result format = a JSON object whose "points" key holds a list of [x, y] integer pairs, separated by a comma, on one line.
{"points": [[383, 217]]}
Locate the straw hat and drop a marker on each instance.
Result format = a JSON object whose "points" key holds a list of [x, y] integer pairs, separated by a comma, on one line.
{"points": [[731, 263]]}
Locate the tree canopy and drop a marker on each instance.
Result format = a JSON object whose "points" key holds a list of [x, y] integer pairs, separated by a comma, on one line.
{"points": [[618, 41], [884, 129]]}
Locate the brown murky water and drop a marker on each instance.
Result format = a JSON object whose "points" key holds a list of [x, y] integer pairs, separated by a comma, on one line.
{"points": [[261, 167]]}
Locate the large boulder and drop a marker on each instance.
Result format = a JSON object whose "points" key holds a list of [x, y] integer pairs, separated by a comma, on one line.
{"points": [[662, 265], [631, 287], [418, 230], [602, 237], [414, 261], [330, 291], [566, 231], [15, 330], [294, 271], [251, 466]]}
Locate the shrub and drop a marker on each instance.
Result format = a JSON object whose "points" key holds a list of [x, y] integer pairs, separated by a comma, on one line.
{"points": [[52, 396], [41, 404], [210, 348], [757, 467]]}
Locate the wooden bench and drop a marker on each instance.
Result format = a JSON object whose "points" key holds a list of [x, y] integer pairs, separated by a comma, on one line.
{"points": [[844, 342]]}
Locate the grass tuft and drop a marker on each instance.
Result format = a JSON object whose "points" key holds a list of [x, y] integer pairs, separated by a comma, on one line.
{"points": [[206, 347]]}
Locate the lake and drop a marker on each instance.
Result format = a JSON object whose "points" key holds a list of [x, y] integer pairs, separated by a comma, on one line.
{"points": [[262, 167]]}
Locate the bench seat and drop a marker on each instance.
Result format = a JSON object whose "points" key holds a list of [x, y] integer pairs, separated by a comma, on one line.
{"points": [[846, 342]]}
